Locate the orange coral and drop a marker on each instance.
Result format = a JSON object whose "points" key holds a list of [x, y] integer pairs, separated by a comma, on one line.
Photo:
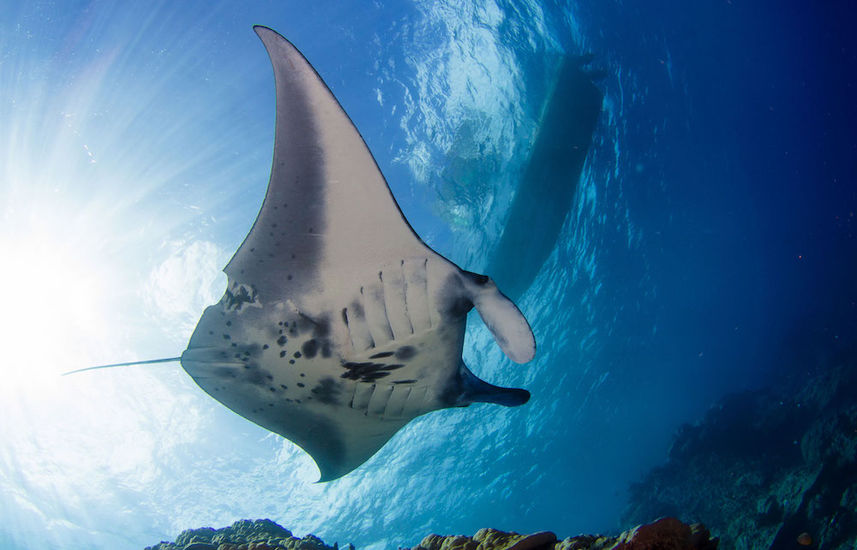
{"points": [[804, 539]]}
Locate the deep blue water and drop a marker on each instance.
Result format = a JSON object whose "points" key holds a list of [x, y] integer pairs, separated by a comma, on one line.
{"points": [[709, 247]]}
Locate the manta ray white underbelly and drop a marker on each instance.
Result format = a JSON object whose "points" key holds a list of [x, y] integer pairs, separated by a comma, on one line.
{"points": [[339, 325]]}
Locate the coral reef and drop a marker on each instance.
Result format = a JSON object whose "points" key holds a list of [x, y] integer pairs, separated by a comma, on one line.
{"points": [[664, 534], [262, 534], [767, 469]]}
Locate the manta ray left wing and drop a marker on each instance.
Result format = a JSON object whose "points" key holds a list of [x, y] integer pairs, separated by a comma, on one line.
{"points": [[328, 206]]}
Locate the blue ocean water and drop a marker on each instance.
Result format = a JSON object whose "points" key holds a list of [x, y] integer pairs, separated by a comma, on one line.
{"points": [[708, 247]]}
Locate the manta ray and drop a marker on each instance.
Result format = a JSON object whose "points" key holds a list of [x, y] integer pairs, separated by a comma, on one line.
{"points": [[339, 325]]}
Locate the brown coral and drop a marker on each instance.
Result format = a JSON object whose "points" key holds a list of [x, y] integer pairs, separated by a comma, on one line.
{"points": [[664, 534]]}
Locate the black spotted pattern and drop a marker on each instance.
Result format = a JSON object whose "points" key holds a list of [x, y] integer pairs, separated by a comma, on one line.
{"points": [[310, 348], [235, 300], [367, 371], [406, 352], [327, 391]]}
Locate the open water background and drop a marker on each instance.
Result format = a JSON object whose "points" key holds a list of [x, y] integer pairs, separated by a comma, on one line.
{"points": [[709, 247]]}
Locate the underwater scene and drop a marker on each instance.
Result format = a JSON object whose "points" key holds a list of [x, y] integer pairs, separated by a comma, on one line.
{"points": [[664, 194]]}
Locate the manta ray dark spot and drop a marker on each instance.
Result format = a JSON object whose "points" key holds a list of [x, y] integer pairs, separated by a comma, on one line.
{"points": [[321, 327], [327, 391], [298, 355], [366, 371], [256, 376], [265, 346], [281, 341], [283, 353], [285, 387], [273, 389], [310, 348], [301, 385], [226, 337], [228, 323], [291, 361], [381, 355], [405, 352], [404, 381], [242, 295]]}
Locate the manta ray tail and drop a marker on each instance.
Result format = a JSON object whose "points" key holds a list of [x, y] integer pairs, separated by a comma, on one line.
{"points": [[128, 364]]}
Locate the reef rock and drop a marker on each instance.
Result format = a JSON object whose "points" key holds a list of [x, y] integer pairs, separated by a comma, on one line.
{"points": [[768, 469], [664, 534], [262, 534]]}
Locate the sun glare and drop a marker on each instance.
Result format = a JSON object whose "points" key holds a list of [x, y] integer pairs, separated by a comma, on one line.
{"points": [[52, 306]]}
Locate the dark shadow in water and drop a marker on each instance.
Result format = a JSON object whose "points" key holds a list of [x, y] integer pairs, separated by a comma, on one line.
{"points": [[550, 179]]}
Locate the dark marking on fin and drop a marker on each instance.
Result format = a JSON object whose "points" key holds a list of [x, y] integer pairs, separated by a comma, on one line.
{"points": [[405, 352]]}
